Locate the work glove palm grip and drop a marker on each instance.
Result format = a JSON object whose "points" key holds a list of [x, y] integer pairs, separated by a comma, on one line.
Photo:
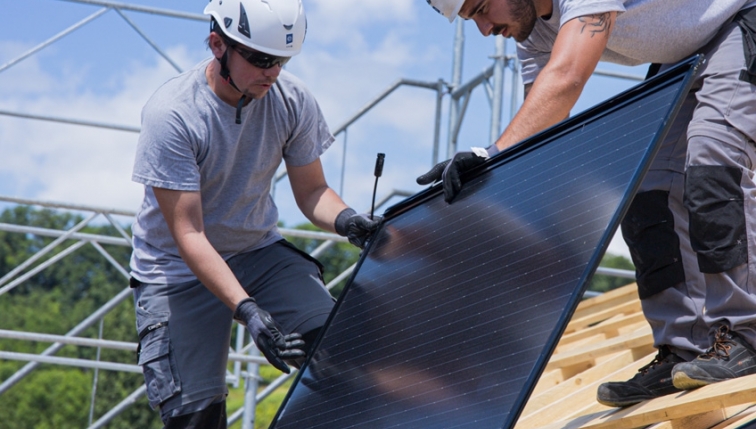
{"points": [[267, 335], [449, 172], [356, 227]]}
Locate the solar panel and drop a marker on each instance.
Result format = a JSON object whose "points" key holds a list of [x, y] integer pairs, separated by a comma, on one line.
{"points": [[454, 309]]}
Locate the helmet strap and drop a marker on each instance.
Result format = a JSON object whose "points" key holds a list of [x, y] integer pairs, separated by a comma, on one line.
{"points": [[239, 108], [225, 74]]}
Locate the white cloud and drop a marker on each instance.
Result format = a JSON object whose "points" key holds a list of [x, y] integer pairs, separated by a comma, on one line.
{"points": [[24, 77], [70, 163], [345, 21]]}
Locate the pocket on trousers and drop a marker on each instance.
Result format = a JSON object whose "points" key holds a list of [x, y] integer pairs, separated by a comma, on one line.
{"points": [[155, 357]]}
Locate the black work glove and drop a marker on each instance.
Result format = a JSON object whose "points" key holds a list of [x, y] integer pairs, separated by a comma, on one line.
{"points": [[449, 171], [267, 335], [356, 227]]}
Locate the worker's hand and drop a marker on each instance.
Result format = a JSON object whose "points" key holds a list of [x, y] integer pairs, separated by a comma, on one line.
{"points": [[449, 171], [267, 335], [356, 227]]}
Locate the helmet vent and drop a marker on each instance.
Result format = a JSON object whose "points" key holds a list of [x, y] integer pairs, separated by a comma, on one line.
{"points": [[243, 21], [227, 22], [288, 27]]}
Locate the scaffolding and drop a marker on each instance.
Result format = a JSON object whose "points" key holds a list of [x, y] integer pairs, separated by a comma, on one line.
{"points": [[243, 354]]}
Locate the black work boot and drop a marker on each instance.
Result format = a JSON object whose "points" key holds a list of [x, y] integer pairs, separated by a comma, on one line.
{"points": [[729, 357], [651, 381]]}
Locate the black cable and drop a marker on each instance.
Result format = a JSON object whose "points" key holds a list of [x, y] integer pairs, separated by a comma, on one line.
{"points": [[378, 171]]}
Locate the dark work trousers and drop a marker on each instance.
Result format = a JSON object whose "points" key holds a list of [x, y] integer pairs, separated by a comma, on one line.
{"points": [[185, 330], [691, 228]]}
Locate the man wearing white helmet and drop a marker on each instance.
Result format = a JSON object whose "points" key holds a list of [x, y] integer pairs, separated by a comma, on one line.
{"points": [[206, 245], [691, 228]]}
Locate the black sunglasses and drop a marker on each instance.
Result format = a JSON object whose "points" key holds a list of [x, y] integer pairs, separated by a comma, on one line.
{"points": [[260, 59]]}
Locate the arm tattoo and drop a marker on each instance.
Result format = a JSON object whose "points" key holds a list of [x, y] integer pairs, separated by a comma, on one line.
{"points": [[598, 23]]}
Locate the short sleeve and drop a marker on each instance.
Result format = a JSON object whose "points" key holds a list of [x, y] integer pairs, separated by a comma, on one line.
{"points": [[310, 136], [166, 156], [534, 53], [531, 63]]}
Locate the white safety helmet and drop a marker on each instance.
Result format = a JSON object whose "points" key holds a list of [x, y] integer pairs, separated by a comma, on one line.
{"points": [[447, 8], [275, 27]]}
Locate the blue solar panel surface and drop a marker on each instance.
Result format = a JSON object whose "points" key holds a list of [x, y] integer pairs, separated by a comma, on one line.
{"points": [[455, 308]]}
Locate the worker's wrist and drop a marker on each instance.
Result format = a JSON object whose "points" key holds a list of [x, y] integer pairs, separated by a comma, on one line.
{"points": [[484, 153], [341, 223], [245, 309]]}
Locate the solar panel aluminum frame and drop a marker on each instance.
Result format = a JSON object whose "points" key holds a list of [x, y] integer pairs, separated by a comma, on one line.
{"points": [[681, 75]]}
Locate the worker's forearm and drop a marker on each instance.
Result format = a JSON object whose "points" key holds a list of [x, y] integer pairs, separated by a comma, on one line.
{"points": [[211, 269], [548, 102], [321, 208]]}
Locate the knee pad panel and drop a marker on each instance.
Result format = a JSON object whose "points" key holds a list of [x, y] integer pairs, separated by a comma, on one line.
{"points": [[649, 231], [714, 200]]}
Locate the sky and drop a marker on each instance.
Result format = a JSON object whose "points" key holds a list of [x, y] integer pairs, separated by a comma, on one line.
{"points": [[104, 72]]}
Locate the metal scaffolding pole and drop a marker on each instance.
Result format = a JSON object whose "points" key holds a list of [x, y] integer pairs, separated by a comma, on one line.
{"points": [[145, 9], [53, 39], [251, 382], [500, 64], [81, 327], [454, 114]]}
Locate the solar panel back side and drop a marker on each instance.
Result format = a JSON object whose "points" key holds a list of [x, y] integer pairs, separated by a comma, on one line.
{"points": [[455, 308]]}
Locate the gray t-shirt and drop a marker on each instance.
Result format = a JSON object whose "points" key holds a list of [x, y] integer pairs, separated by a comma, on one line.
{"points": [[646, 31], [190, 142]]}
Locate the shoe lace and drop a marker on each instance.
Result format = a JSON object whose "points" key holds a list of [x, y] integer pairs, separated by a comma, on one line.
{"points": [[659, 358], [723, 342]]}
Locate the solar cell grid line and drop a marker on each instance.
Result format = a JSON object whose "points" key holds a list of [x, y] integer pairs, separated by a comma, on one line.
{"points": [[454, 309]]}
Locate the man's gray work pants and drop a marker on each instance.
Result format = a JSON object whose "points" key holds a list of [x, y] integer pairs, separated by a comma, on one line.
{"points": [[691, 228]]}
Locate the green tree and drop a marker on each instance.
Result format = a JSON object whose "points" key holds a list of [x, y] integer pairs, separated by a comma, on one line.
{"points": [[53, 301], [49, 399]]}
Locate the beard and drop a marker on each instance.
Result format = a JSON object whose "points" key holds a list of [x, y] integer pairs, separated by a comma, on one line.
{"points": [[524, 14]]}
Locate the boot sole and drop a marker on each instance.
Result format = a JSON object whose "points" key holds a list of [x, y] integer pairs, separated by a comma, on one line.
{"points": [[620, 404], [683, 382]]}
